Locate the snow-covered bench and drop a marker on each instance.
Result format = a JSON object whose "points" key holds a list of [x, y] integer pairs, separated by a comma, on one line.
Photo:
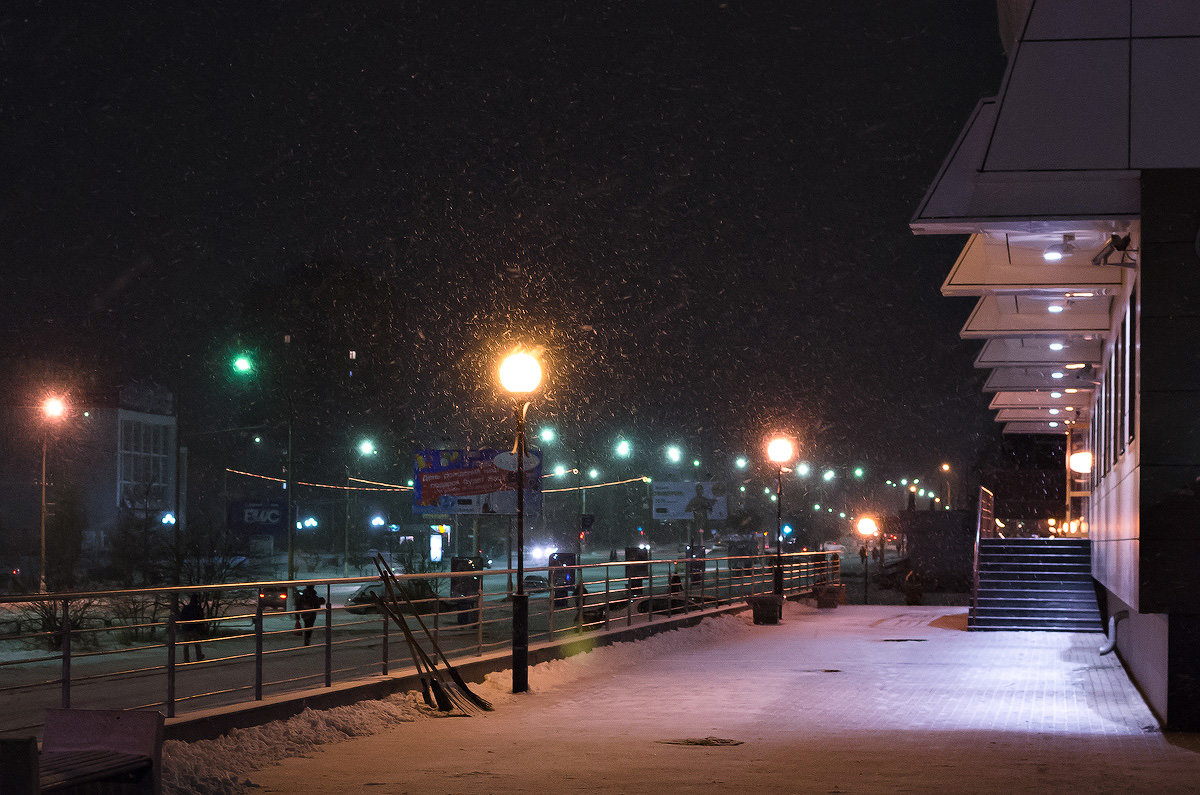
{"points": [[85, 746]]}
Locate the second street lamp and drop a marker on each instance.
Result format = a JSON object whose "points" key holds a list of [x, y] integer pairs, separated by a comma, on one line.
{"points": [[53, 409], [520, 374], [781, 451]]}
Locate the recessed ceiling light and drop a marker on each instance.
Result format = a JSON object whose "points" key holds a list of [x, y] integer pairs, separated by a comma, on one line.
{"points": [[1056, 374], [1081, 295], [1076, 366], [1054, 308], [1053, 411], [1070, 391], [1056, 346], [1056, 251], [1054, 425], [1056, 395]]}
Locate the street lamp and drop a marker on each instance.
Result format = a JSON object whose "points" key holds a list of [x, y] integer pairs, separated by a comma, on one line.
{"points": [[365, 448], [520, 374], [674, 454], [54, 408], [780, 451], [946, 469], [624, 449], [867, 528]]}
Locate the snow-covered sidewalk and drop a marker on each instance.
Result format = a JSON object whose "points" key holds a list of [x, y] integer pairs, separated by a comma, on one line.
{"points": [[859, 699]]}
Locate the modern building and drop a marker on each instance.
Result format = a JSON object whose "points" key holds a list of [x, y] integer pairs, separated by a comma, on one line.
{"points": [[1078, 188], [114, 453]]}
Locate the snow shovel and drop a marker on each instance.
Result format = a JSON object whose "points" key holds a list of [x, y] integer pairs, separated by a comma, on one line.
{"points": [[441, 692], [479, 701]]}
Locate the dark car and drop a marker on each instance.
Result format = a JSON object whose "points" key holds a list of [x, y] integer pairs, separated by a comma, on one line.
{"points": [[536, 583], [364, 599], [273, 597]]}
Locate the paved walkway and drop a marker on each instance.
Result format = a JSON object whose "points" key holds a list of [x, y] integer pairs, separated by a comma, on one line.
{"points": [[860, 699]]}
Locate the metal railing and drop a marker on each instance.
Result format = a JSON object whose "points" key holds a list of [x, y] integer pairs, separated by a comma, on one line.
{"points": [[122, 649]]}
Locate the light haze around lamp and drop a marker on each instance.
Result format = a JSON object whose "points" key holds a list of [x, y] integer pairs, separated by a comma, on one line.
{"points": [[520, 374]]}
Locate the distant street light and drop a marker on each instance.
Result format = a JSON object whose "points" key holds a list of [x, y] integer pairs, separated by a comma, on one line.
{"points": [[674, 454], [520, 374], [803, 469], [54, 408], [946, 470], [741, 462], [624, 449], [367, 447], [780, 451], [867, 528], [547, 435]]}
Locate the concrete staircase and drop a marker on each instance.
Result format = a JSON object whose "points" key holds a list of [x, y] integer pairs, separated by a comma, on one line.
{"points": [[1035, 584]]}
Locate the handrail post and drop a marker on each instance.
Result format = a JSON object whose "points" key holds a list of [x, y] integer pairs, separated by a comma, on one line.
{"points": [[258, 651], [650, 591], [550, 604], [607, 594], [328, 638], [171, 658], [479, 617], [384, 663], [66, 656]]}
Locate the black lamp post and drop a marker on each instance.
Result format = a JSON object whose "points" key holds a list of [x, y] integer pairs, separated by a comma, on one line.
{"points": [[780, 451], [520, 374]]}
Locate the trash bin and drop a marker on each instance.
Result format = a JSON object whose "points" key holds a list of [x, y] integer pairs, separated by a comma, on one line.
{"points": [[767, 609], [465, 587]]}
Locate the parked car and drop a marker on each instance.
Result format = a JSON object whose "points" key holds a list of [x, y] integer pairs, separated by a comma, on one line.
{"points": [[363, 600], [273, 597], [536, 583]]}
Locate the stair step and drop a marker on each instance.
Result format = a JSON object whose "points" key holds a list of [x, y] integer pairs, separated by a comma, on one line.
{"points": [[1038, 628], [1034, 557], [1006, 602], [1037, 593]]}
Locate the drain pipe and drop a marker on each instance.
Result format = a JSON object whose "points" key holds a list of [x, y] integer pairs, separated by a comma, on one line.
{"points": [[1108, 648]]}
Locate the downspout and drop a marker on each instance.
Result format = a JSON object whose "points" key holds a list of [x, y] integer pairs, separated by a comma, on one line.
{"points": [[1108, 647]]}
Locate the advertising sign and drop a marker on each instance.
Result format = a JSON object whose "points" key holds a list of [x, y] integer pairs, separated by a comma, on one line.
{"points": [[696, 500], [475, 482], [257, 516]]}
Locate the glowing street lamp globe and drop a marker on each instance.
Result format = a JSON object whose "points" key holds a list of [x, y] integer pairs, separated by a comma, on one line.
{"points": [[781, 450], [520, 373], [1081, 462], [366, 447], [54, 407], [624, 448], [867, 526]]}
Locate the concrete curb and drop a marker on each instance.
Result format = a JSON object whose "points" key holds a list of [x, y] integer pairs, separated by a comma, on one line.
{"points": [[207, 724]]}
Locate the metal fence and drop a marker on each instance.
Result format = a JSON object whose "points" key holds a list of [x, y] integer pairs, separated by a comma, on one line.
{"points": [[130, 649]]}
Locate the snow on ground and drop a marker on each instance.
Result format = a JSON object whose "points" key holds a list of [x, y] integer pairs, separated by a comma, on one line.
{"points": [[222, 765], [860, 699]]}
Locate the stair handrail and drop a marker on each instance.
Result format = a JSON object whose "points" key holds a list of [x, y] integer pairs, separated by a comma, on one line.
{"points": [[984, 517]]}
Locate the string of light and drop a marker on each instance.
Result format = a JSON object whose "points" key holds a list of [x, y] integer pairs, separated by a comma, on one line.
{"points": [[341, 487]]}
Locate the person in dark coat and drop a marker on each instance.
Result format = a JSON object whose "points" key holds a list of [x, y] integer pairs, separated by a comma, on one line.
{"points": [[192, 627], [308, 603]]}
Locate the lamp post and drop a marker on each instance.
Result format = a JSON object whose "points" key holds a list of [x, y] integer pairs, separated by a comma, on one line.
{"points": [[53, 408], [867, 528], [946, 470], [780, 451], [520, 374]]}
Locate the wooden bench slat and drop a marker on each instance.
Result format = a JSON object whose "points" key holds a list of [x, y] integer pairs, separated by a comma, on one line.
{"points": [[63, 768]]}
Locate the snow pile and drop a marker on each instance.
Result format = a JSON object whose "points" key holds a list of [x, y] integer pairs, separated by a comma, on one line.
{"points": [[220, 766]]}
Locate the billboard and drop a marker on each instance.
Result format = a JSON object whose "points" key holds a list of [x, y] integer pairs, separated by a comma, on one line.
{"points": [[694, 499], [257, 516], [475, 482]]}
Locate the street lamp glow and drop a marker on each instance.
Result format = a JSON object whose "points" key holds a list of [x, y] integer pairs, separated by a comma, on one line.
{"points": [[54, 407], [547, 435], [593, 473], [366, 447], [560, 470], [803, 469], [520, 372], [377, 521], [696, 462], [242, 364], [624, 448], [1081, 462], [829, 475], [945, 467], [674, 454], [741, 462], [867, 526], [781, 450], [168, 518], [858, 472]]}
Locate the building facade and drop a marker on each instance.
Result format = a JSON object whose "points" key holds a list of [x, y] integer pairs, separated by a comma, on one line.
{"points": [[1078, 186]]}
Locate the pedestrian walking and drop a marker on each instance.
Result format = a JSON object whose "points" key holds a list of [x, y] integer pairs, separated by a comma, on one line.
{"points": [[308, 603], [862, 554], [192, 627]]}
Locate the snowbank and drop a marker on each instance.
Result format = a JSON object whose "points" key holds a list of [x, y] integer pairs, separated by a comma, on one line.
{"points": [[220, 766]]}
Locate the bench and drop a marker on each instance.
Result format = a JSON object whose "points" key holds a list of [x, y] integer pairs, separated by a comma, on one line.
{"points": [[87, 750]]}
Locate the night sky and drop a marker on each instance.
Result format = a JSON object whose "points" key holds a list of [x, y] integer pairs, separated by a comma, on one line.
{"points": [[700, 210]]}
